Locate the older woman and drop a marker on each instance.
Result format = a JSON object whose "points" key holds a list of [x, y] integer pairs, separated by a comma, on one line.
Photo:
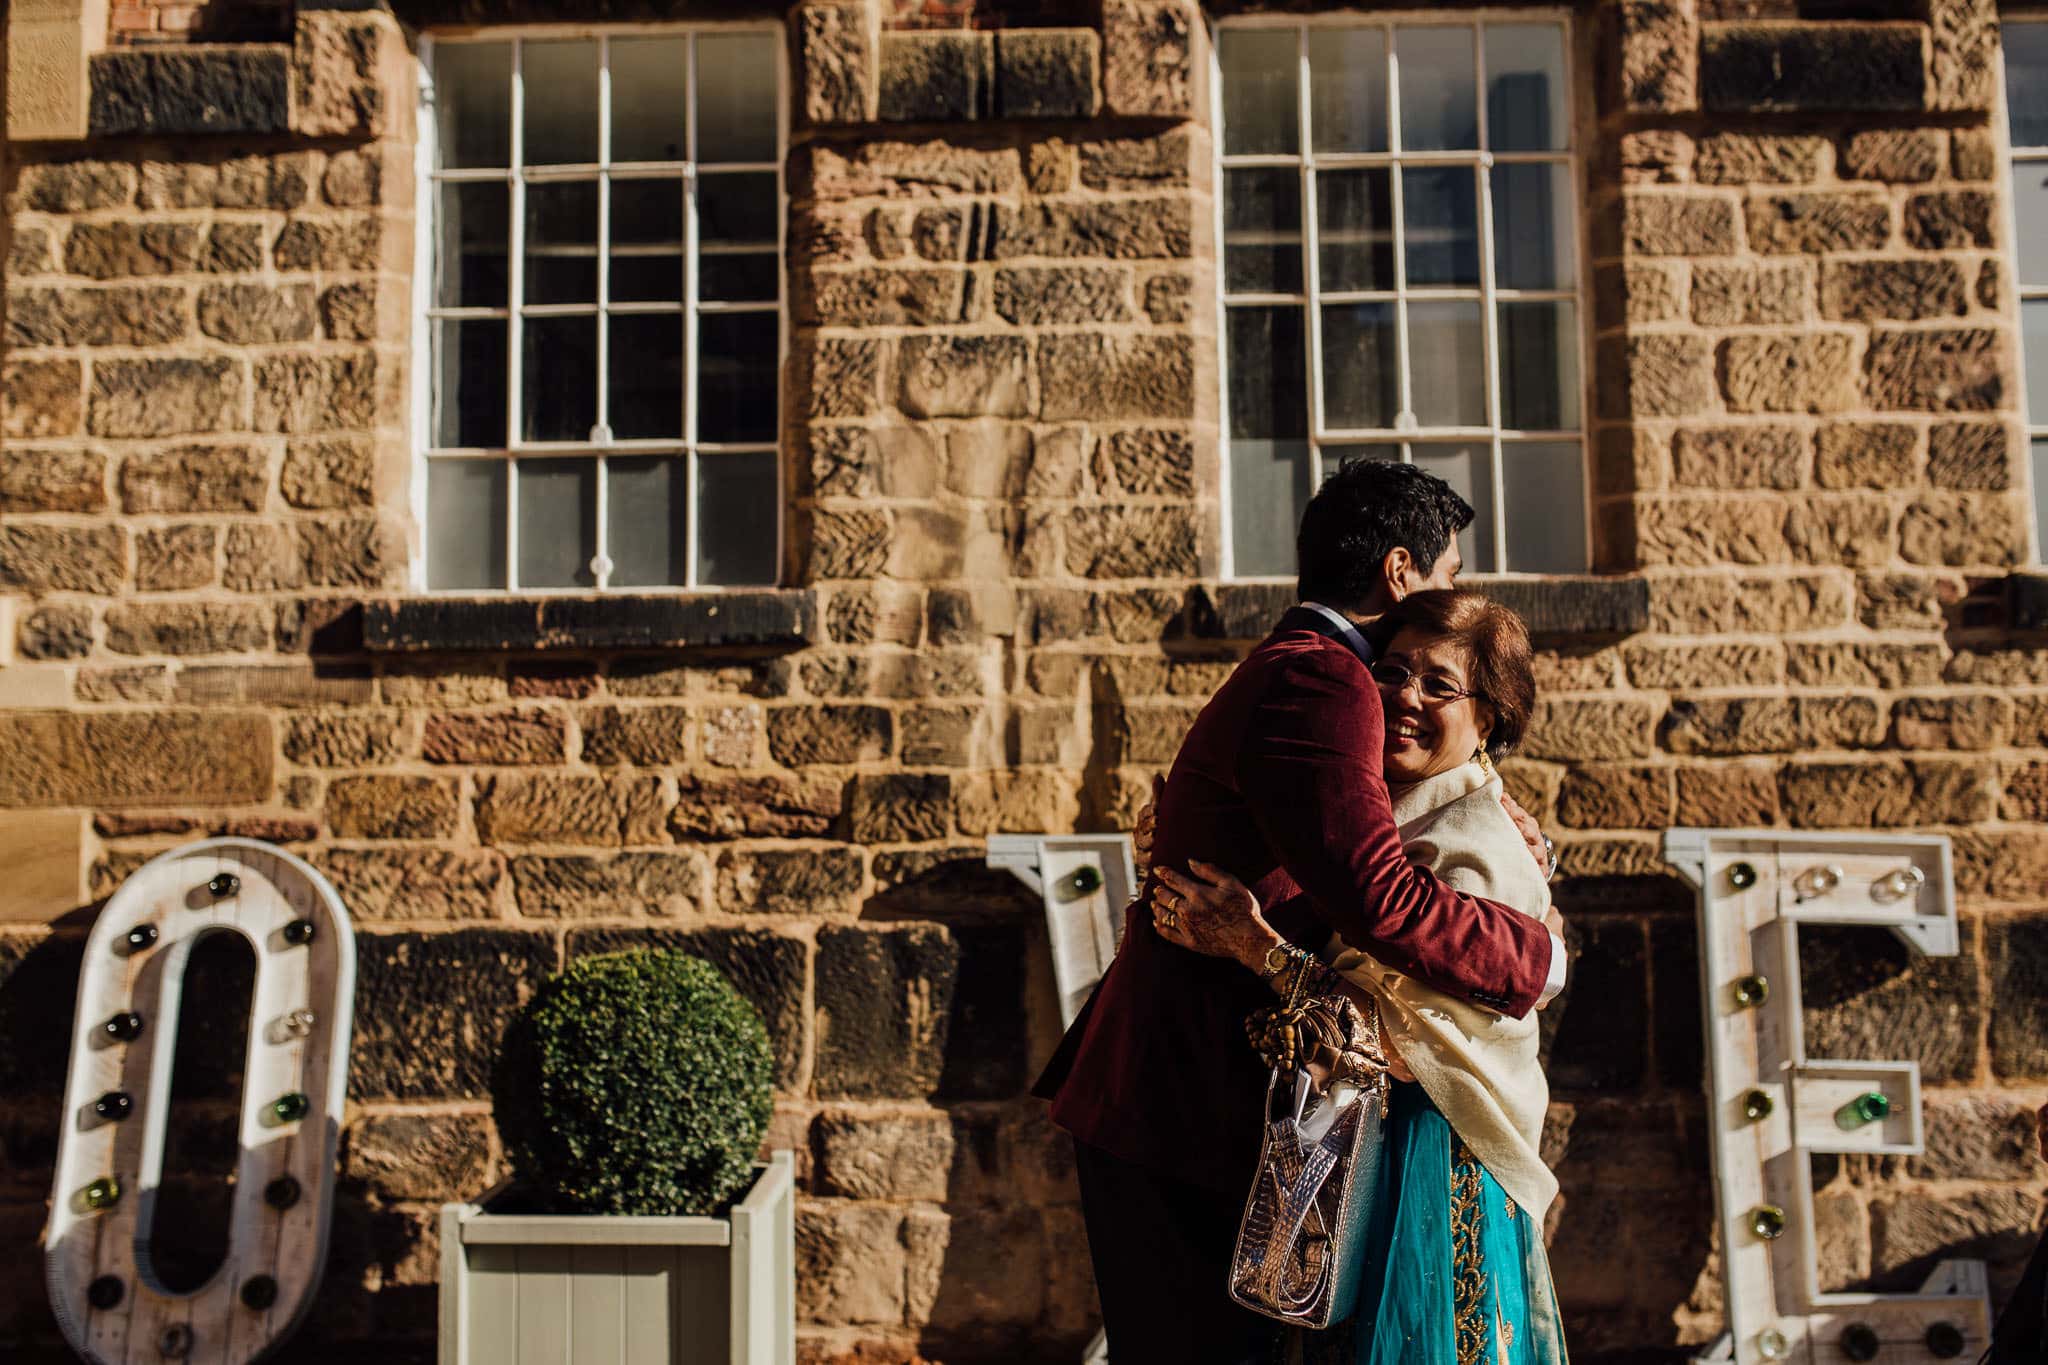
{"points": [[1456, 1271]]}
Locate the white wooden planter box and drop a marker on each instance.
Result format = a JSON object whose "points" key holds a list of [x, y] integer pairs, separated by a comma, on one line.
{"points": [[540, 1289]]}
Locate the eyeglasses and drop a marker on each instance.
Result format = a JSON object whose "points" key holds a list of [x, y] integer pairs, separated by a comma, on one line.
{"points": [[1434, 687]]}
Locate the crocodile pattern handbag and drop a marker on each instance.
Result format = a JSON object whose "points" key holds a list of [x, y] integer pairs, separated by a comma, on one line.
{"points": [[1298, 1245]]}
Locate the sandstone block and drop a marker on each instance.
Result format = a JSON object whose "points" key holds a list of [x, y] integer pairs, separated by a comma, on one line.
{"points": [[1021, 800], [648, 736], [2019, 1025], [342, 67], [941, 737], [419, 883], [1870, 996], [1913, 1229], [772, 806], [195, 478], [1964, 57], [204, 88], [1654, 374], [107, 251], [1727, 796], [1581, 730], [1147, 463], [1047, 73], [849, 544], [1137, 163], [1740, 456], [850, 1262], [884, 1000], [1963, 529], [1610, 796], [1938, 371], [1148, 58], [1836, 795], [1116, 229], [1811, 67], [1905, 601], [56, 631], [1660, 43], [1809, 372], [802, 735], [2001, 865], [329, 473], [232, 249], [1880, 455], [1818, 222], [971, 376], [391, 807], [1852, 528], [1169, 298], [76, 186], [834, 50], [1690, 532], [901, 807], [825, 880], [345, 739], [114, 316], [503, 737], [165, 397], [149, 758], [1859, 664], [1898, 290], [1751, 295], [40, 398], [1974, 153], [1898, 155], [904, 1155], [1656, 156], [571, 809], [731, 735], [1971, 455], [1668, 223], [615, 884], [297, 394], [1133, 542], [33, 251], [1062, 294], [895, 169], [279, 181], [1975, 1137], [435, 1006], [53, 481], [67, 558], [169, 558], [885, 298], [261, 558], [253, 314], [1971, 722], [421, 1157], [935, 76], [1760, 159], [1096, 377], [1680, 667]]}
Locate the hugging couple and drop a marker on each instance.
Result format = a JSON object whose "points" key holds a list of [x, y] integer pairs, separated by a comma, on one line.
{"points": [[1333, 828]]}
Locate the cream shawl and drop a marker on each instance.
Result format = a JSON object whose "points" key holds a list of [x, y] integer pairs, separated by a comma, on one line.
{"points": [[1479, 1068]]}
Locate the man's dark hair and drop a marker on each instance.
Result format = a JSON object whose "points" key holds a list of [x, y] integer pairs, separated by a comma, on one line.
{"points": [[1358, 517]]}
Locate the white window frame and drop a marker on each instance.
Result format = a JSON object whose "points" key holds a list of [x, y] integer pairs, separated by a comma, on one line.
{"points": [[1312, 298], [516, 176], [2034, 425]]}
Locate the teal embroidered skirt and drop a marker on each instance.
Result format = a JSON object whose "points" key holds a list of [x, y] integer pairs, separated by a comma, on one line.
{"points": [[1456, 1273]]}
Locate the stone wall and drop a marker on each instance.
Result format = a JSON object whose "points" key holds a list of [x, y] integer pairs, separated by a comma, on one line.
{"points": [[1000, 615], [177, 21]]}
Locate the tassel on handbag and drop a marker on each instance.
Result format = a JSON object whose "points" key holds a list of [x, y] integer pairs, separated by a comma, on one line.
{"points": [[1297, 1257]]}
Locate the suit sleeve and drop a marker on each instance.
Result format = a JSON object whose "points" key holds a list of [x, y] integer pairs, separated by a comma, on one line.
{"points": [[1311, 769]]}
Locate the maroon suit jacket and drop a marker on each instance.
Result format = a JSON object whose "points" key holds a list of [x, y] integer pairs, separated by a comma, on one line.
{"points": [[1281, 782]]}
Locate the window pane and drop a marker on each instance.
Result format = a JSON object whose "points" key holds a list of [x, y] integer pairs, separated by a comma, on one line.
{"points": [[475, 236], [1347, 86], [2034, 350], [1361, 378], [1262, 231], [1539, 367], [1533, 245], [561, 242], [649, 99], [1447, 355], [736, 97], [2030, 208], [737, 360], [1439, 90], [466, 523], [558, 379], [2026, 81], [1261, 111], [561, 102], [1543, 493], [1336, 457], [1469, 472], [1269, 487], [557, 523], [1525, 103], [473, 103], [469, 383], [647, 521], [647, 241], [1355, 229], [2037, 451], [646, 379], [733, 211], [1268, 372], [737, 511], [1440, 209]]}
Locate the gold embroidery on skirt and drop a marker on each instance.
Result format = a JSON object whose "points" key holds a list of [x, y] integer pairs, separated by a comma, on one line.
{"points": [[1468, 1282]]}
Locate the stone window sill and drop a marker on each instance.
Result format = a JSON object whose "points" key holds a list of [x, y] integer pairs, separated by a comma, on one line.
{"points": [[773, 618], [1576, 606]]}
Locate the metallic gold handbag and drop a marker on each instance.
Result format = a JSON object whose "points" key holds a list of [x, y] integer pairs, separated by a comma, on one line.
{"points": [[1298, 1255]]}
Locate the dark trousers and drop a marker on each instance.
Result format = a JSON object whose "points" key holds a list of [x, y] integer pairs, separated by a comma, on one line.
{"points": [[1161, 1249]]}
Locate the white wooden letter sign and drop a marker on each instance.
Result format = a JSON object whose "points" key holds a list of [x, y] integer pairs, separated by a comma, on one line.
{"points": [[110, 1150], [1769, 1107]]}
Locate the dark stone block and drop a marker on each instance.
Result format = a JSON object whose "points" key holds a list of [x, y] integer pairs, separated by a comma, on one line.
{"points": [[884, 1001], [1047, 73], [2026, 600], [1868, 996], [212, 88], [987, 1044], [1596, 1029], [1677, 1029], [930, 77], [769, 617], [430, 1009], [2018, 952], [1812, 67], [765, 967]]}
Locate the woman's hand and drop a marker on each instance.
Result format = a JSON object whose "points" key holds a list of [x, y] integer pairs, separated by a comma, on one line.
{"points": [[1147, 828], [1212, 913]]}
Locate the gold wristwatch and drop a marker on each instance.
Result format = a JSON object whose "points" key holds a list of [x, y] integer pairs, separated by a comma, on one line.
{"points": [[1276, 960]]}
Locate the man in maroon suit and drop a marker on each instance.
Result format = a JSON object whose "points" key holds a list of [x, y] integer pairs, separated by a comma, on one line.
{"points": [[1279, 782]]}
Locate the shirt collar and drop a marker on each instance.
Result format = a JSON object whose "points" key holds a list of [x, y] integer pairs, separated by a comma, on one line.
{"points": [[1347, 630]]}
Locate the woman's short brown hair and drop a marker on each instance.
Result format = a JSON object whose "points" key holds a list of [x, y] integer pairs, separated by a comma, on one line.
{"points": [[1496, 646]]}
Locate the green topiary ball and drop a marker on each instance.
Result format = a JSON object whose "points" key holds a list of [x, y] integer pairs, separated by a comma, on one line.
{"points": [[634, 1083]]}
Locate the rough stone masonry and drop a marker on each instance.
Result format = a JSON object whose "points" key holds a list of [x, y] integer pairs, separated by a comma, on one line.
{"points": [[999, 610]]}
